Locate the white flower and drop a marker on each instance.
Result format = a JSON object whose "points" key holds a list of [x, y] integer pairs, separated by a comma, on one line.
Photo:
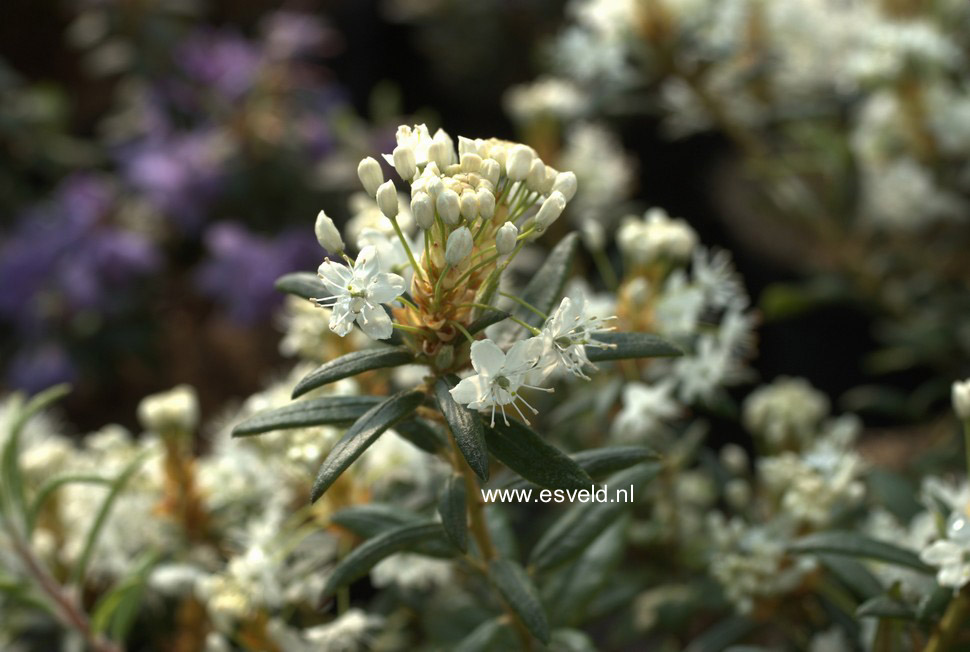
{"points": [[568, 332], [952, 554], [655, 236], [177, 409], [500, 376], [358, 292], [352, 631], [417, 139], [787, 412], [645, 409], [327, 234], [961, 398]]}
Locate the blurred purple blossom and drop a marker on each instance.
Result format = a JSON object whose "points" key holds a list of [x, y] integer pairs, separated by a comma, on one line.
{"points": [[289, 34], [220, 59], [38, 367], [242, 267]]}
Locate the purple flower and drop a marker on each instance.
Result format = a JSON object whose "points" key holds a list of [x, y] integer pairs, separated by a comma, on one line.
{"points": [[243, 267], [39, 367], [289, 34], [220, 59]]}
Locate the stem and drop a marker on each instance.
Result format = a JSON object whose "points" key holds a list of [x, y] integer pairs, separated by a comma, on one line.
{"points": [[411, 329], [529, 327], [472, 270], [949, 627], [525, 304], [437, 286], [407, 247], [464, 331], [605, 269]]}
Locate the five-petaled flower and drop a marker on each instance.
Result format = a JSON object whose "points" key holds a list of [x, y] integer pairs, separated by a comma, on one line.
{"points": [[500, 376], [567, 333], [357, 294]]}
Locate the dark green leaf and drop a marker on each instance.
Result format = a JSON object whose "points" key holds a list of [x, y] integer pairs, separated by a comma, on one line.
{"points": [[519, 447], [884, 606], [365, 556], [362, 434], [932, 605], [326, 410], [631, 345], [721, 635], [520, 594], [116, 610], [545, 289], [856, 577], [486, 320], [451, 506], [421, 433], [369, 520], [378, 357], [598, 462], [302, 284], [466, 426], [857, 545], [491, 635], [571, 640], [584, 521]]}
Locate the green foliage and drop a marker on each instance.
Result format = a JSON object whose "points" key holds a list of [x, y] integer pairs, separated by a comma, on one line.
{"points": [[327, 410], [306, 285], [466, 426], [521, 595], [856, 545], [378, 357], [545, 288], [631, 345], [451, 507], [522, 450]]}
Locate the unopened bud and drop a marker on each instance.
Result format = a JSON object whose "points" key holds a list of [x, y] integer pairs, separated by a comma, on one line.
{"points": [[537, 175], [491, 170], [387, 199], [961, 398], [466, 146], [566, 184], [448, 206], [422, 208], [369, 171], [471, 162], [486, 203], [550, 180], [405, 162], [505, 238], [550, 210], [519, 162], [468, 205], [459, 246], [327, 234], [177, 409]]}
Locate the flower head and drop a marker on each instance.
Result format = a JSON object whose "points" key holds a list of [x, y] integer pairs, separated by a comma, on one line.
{"points": [[499, 376], [358, 291]]}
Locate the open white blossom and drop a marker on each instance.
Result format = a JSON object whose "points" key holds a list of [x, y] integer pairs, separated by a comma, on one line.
{"points": [[358, 292], [499, 376], [567, 333]]}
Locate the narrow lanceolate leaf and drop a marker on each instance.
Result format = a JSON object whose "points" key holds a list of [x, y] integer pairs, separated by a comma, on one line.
{"points": [[519, 592], [857, 545], [631, 345], [362, 434], [721, 635], [302, 284], [584, 521], [466, 425], [884, 606], [490, 317], [519, 447], [352, 364], [323, 411], [854, 575], [545, 289], [365, 556], [494, 634], [451, 506], [421, 433], [600, 462], [371, 519]]}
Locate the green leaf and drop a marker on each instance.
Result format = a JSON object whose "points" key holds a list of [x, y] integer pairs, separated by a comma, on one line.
{"points": [[362, 434], [302, 284], [856, 577], [117, 485], [598, 462], [378, 357], [571, 640], [884, 606], [491, 635], [519, 447], [583, 522], [520, 594], [493, 316], [326, 410], [631, 345], [932, 605], [569, 592], [116, 610], [422, 434], [365, 556], [721, 635], [451, 506], [369, 520], [466, 425], [545, 288], [48, 488], [857, 545]]}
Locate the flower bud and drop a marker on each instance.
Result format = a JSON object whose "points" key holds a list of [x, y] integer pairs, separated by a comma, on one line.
{"points": [[491, 170], [537, 175], [176, 409], [471, 162], [467, 146], [486, 203], [387, 199], [371, 177], [550, 210], [405, 162], [459, 246], [593, 236], [500, 153], [519, 162], [422, 208], [566, 184], [961, 398], [547, 184], [505, 238], [327, 234], [448, 206], [468, 205]]}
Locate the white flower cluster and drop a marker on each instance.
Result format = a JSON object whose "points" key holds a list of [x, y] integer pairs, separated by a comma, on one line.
{"points": [[786, 413], [949, 551]]}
